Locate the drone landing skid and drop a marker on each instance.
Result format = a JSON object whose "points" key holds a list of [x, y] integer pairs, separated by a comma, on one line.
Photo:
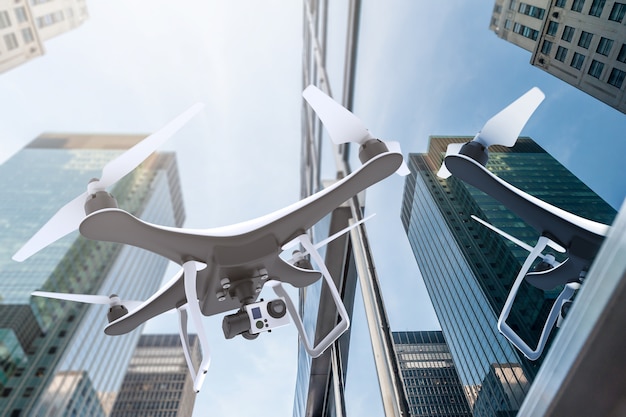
{"points": [[565, 295], [193, 308], [339, 329]]}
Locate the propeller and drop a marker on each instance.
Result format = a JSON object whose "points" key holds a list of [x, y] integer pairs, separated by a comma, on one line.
{"points": [[504, 128], [453, 149], [342, 125], [515, 240], [112, 300], [69, 217]]}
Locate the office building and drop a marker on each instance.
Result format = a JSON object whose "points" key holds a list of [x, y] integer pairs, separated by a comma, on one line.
{"points": [[26, 24], [46, 343], [468, 270], [431, 383], [158, 382], [71, 391], [582, 42], [321, 382]]}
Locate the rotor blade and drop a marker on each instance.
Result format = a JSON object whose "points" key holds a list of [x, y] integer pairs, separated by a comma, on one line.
{"points": [[394, 146], [513, 239], [505, 127], [326, 241], [341, 124], [129, 160], [65, 221], [81, 298], [502, 233], [453, 149]]}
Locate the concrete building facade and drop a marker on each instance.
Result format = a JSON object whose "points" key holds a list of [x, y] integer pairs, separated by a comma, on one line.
{"points": [[582, 42], [26, 24]]}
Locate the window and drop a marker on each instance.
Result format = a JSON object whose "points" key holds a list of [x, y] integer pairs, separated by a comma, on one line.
{"points": [[616, 78], [585, 39], [552, 28], [617, 12], [507, 24], [546, 47], [596, 8], [595, 69], [621, 57], [561, 53], [10, 40], [50, 19], [20, 13], [4, 19], [560, 3], [577, 5], [577, 60], [525, 31], [532, 11], [27, 35], [568, 33], [604, 46], [512, 5]]}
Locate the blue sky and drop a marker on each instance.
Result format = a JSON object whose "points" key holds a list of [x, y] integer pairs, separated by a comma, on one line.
{"points": [[424, 68]]}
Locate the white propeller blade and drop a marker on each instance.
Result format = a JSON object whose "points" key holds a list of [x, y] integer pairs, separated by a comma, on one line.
{"points": [[68, 218], [505, 127], [65, 221], [453, 149], [342, 125], [326, 241], [515, 240], [129, 160], [502, 129], [394, 146], [80, 298], [89, 299]]}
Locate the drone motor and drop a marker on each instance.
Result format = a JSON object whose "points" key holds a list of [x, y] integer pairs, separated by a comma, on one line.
{"points": [[477, 151]]}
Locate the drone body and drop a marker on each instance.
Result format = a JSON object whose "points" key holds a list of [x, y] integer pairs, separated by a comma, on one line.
{"points": [[223, 269], [579, 238], [241, 257]]}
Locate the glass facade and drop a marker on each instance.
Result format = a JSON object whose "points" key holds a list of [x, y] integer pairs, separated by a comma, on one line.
{"points": [[158, 382], [62, 344], [431, 383], [317, 382], [468, 270]]}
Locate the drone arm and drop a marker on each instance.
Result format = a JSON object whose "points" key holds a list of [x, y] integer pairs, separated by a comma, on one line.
{"points": [[339, 329], [328, 239], [193, 309], [507, 331]]}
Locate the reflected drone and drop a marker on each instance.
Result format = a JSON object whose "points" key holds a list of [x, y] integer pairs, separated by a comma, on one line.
{"points": [[223, 269], [578, 238]]}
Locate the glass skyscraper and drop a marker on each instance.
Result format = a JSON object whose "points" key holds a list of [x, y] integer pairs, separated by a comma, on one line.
{"points": [[49, 349], [431, 383], [158, 382], [468, 270], [321, 382]]}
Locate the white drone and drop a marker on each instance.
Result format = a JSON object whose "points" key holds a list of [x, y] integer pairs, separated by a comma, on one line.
{"points": [[224, 268], [563, 231]]}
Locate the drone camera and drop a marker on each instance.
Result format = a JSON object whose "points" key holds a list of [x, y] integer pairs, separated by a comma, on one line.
{"points": [[256, 318], [267, 315]]}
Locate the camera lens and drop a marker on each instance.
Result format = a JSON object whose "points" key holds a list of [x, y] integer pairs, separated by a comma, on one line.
{"points": [[277, 308]]}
